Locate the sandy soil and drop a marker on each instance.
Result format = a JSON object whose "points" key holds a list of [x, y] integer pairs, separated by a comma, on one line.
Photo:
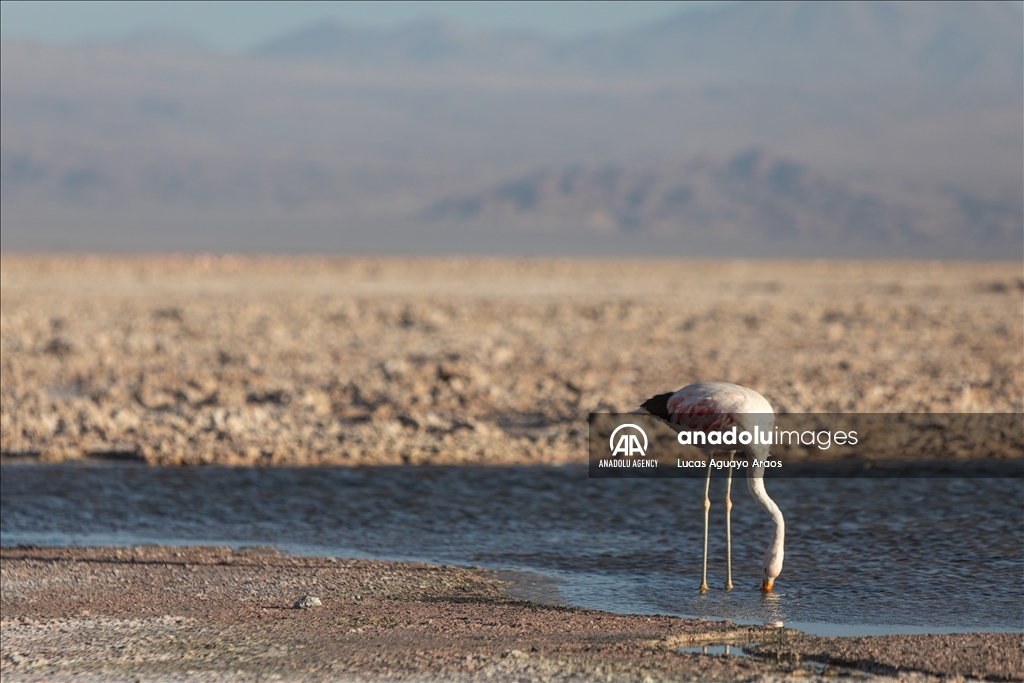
{"points": [[268, 361], [156, 613]]}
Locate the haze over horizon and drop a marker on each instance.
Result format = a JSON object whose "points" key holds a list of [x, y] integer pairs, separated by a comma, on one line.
{"points": [[780, 129], [243, 27]]}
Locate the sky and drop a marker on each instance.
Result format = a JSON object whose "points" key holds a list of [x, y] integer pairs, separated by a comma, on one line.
{"points": [[237, 26]]}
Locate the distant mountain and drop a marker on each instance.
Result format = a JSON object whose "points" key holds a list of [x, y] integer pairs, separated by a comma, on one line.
{"points": [[822, 42], [752, 195], [752, 42], [421, 44], [157, 39]]}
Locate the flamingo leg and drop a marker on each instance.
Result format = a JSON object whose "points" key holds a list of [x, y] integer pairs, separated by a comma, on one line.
{"points": [[707, 507], [728, 532]]}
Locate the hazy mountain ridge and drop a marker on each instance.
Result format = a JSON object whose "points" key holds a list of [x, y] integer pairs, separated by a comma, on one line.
{"points": [[946, 42], [853, 41], [750, 193], [425, 43]]}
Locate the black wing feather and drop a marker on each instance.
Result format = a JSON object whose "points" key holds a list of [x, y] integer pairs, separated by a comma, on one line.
{"points": [[658, 405]]}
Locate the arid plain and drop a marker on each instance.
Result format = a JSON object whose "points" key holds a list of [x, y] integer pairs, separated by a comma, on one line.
{"points": [[353, 361]]}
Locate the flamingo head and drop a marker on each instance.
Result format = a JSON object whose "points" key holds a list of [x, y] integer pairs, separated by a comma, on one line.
{"points": [[772, 566]]}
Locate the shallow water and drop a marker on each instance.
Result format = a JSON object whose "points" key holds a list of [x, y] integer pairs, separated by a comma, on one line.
{"points": [[863, 556]]}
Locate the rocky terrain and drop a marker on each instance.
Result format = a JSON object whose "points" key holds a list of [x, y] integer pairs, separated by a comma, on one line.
{"points": [[170, 614], [293, 361]]}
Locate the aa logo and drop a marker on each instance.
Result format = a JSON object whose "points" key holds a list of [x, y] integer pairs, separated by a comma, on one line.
{"points": [[628, 443]]}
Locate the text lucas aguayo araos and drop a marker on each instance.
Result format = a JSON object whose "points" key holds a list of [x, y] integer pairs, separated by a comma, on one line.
{"points": [[632, 443]]}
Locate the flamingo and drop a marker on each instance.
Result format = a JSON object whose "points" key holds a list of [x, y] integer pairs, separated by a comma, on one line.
{"points": [[717, 406]]}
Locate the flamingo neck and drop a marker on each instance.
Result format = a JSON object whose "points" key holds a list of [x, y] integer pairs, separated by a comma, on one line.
{"points": [[755, 483]]}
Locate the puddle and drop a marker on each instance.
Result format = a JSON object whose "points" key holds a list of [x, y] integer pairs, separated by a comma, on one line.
{"points": [[726, 649], [809, 666]]}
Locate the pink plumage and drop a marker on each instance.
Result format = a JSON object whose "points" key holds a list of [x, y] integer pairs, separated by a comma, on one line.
{"points": [[707, 406]]}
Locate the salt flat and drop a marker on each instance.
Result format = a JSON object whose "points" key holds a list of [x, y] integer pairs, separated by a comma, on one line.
{"points": [[316, 360]]}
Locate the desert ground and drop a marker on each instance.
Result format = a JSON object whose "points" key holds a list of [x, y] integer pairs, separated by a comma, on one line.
{"points": [[351, 361], [172, 614]]}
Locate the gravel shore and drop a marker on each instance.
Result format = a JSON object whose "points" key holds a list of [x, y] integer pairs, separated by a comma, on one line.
{"points": [[172, 614], [349, 361]]}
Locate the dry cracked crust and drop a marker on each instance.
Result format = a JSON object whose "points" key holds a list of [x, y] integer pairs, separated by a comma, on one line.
{"points": [[168, 614], [307, 361]]}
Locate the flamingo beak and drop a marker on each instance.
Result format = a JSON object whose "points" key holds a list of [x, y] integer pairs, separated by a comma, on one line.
{"points": [[767, 583]]}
